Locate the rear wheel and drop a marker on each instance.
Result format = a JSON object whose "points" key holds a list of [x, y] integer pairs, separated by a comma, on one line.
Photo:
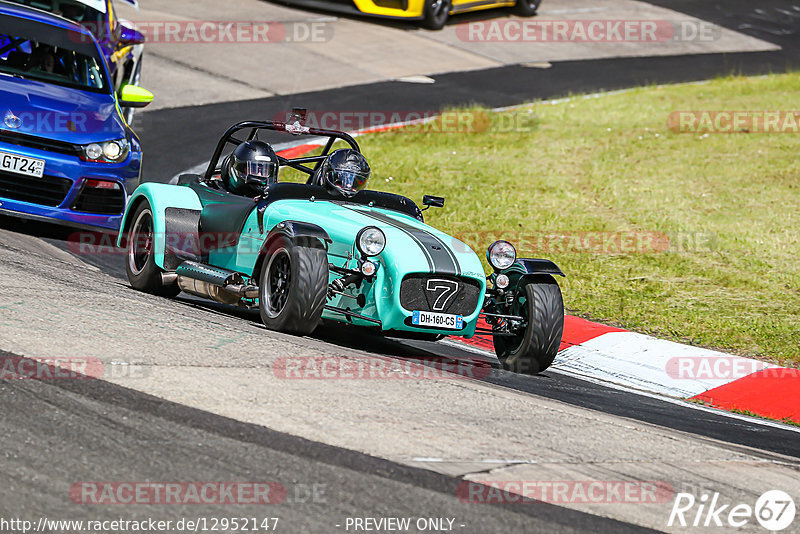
{"points": [[527, 8], [436, 13], [140, 264], [293, 285], [532, 350]]}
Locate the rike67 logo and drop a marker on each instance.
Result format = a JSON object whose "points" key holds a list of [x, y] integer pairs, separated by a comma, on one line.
{"points": [[774, 510]]}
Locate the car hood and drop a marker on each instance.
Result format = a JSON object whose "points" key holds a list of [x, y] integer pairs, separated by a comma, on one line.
{"points": [[57, 112], [411, 245]]}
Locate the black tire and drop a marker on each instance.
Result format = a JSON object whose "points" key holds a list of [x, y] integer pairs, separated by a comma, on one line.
{"points": [[140, 264], [436, 13], [527, 8], [533, 351], [293, 285]]}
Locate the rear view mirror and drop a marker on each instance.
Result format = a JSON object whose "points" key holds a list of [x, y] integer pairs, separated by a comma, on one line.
{"points": [[432, 201], [129, 36]]}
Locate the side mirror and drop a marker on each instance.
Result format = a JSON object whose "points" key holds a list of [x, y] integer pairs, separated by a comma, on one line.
{"points": [[133, 96], [432, 201], [129, 36]]}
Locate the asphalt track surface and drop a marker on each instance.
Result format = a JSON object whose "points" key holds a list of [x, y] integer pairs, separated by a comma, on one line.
{"points": [[106, 432], [572, 390], [173, 138], [95, 421]]}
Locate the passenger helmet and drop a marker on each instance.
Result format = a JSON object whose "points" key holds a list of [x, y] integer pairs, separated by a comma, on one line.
{"points": [[344, 172]]}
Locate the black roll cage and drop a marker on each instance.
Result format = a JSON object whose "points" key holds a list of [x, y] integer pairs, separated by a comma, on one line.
{"points": [[296, 129]]}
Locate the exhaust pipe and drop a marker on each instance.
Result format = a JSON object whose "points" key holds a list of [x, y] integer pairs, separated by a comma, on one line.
{"points": [[219, 285]]}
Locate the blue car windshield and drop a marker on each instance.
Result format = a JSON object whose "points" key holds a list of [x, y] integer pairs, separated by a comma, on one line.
{"points": [[74, 11], [46, 62]]}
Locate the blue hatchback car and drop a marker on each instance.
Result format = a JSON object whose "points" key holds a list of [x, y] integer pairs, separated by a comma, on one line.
{"points": [[66, 153]]}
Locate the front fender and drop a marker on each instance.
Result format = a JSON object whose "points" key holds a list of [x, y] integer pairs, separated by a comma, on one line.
{"points": [[536, 266], [292, 230], [160, 197], [526, 268]]}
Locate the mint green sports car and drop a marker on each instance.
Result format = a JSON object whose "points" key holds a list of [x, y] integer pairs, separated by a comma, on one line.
{"points": [[301, 254]]}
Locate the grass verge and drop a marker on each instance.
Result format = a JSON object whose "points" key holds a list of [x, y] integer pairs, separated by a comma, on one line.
{"points": [[689, 237]]}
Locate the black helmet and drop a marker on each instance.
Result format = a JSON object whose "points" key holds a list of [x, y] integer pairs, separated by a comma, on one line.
{"points": [[345, 172], [250, 169]]}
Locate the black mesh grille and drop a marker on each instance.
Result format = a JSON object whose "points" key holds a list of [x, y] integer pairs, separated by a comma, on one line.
{"points": [[421, 292], [101, 201], [47, 190], [39, 143]]}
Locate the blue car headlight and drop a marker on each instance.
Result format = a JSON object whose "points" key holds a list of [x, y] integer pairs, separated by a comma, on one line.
{"points": [[107, 152]]}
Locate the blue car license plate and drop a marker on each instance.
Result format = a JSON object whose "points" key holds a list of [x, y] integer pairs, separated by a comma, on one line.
{"points": [[438, 320], [21, 165]]}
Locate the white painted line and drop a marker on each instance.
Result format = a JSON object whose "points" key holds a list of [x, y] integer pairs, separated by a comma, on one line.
{"points": [[415, 79], [651, 364]]}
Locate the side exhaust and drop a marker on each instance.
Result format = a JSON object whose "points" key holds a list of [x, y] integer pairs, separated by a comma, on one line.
{"points": [[219, 285]]}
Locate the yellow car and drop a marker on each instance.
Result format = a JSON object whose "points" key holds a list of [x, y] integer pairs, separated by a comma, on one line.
{"points": [[432, 13]]}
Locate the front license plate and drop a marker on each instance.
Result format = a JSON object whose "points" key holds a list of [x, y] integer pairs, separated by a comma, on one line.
{"points": [[438, 320], [21, 165]]}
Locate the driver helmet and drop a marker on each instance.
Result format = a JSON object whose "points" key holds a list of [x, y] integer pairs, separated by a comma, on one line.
{"points": [[250, 169], [344, 172]]}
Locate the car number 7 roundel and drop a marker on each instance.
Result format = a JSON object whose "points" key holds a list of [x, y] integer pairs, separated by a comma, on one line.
{"points": [[444, 290]]}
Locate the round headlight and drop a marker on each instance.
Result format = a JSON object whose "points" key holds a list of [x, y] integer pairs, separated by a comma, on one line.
{"points": [[112, 150], [501, 255], [94, 151], [371, 241]]}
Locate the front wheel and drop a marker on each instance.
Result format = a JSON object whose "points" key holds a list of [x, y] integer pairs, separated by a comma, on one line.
{"points": [[527, 8], [293, 286], [436, 13], [532, 350], [140, 263]]}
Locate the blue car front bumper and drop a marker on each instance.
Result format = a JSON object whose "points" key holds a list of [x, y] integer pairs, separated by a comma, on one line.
{"points": [[72, 191]]}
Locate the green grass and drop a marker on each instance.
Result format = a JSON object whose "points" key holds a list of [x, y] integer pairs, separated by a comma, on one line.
{"points": [[729, 205]]}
